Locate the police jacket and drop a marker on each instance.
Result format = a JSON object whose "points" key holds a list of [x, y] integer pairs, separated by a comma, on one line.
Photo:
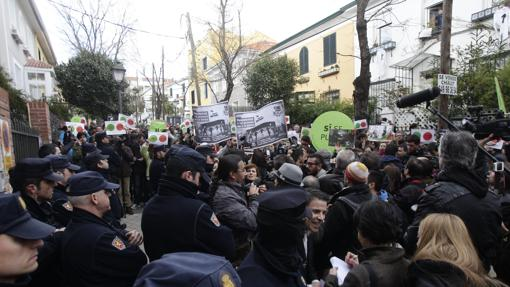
{"points": [[339, 231], [380, 266], [61, 205], [465, 194], [41, 211], [175, 220], [94, 253], [114, 158]]}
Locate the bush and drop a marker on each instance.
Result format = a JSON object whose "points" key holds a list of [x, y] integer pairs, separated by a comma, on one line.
{"points": [[18, 104]]}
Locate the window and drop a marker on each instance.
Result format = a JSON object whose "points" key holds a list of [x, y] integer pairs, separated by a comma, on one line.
{"points": [[303, 61], [205, 90], [436, 17], [330, 49], [204, 63], [192, 97], [331, 96], [37, 91], [385, 34], [36, 76]]}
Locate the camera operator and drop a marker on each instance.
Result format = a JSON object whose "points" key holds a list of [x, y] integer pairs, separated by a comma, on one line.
{"points": [[461, 191]]}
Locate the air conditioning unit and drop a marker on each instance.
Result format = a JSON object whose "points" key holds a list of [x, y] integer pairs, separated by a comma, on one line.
{"points": [[15, 36], [425, 33]]}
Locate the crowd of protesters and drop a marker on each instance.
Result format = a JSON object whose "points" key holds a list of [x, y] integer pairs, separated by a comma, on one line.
{"points": [[399, 213]]}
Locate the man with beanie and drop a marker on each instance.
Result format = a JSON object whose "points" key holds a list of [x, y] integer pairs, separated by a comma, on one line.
{"points": [[176, 220], [94, 253], [275, 259], [339, 231]]}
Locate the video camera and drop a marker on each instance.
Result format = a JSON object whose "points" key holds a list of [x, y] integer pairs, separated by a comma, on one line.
{"points": [[483, 123]]}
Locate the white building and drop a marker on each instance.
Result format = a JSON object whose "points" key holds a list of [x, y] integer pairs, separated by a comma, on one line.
{"points": [[405, 46], [25, 50], [180, 98]]}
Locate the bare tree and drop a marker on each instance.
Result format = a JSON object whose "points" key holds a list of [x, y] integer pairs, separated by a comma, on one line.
{"points": [[362, 81], [88, 29], [157, 83], [228, 43]]}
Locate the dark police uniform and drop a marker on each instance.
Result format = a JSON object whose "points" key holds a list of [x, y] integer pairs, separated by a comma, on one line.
{"points": [[39, 169], [94, 253], [175, 220], [275, 261], [60, 204], [156, 169]]}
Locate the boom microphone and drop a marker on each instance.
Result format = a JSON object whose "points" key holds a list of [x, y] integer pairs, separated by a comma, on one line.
{"points": [[418, 98]]}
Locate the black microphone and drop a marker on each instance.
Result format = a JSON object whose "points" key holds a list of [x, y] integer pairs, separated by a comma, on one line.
{"points": [[418, 98]]}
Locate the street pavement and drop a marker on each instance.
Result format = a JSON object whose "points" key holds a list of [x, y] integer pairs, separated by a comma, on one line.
{"points": [[134, 222]]}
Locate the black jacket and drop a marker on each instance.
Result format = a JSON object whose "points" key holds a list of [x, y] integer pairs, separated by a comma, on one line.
{"points": [[379, 267], [429, 273], [175, 220], [61, 205], [114, 158], [94, 253], [465, 194], [41, 211], [339, 231], [408, 196], [156, 170]]}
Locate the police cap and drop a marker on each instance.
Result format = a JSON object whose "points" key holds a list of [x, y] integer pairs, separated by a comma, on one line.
{"points": [[61, 162], [188, 269], [17, 222], [88, 182], [39, 168]]}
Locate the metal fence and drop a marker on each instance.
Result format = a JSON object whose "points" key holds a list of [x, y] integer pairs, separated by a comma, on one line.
{"points": [[25, 139]]}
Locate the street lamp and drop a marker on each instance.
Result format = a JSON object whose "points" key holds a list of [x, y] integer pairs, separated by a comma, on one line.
{"points": [[118, 76]]}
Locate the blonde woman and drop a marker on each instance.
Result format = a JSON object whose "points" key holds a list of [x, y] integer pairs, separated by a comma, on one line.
{"points": [[446, 255]]}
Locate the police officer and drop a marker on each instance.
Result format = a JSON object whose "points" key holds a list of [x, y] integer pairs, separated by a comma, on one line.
{"points": [[275, 260], [176, 220], [60, 203], [35, 180], [20, 238], [94, 253]]}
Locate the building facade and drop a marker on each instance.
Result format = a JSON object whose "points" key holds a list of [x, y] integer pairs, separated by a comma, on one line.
{"points": [[25, 49]]}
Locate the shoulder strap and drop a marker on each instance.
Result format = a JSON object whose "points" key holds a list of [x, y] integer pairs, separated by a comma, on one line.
{"points": [[353, 205], [371, 275]]}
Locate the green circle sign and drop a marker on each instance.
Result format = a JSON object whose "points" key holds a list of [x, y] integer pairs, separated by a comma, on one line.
{"points": [[326, 122]]}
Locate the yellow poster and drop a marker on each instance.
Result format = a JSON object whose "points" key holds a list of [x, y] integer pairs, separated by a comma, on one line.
{"points": [[6, 138]]}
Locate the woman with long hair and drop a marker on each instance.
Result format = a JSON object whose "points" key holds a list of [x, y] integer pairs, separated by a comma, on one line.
{"points": [[234, 207], [446, 256]]}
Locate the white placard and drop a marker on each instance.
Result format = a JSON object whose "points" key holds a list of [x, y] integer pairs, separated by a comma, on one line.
{"points": [[211, 123], [447, 84], [158, 138], [261, 127], [114, 128]]}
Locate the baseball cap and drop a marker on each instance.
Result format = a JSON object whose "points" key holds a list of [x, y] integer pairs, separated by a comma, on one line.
{"points": [[88, 182], [188, 269], [33, 167], [17, 222], [290, 173], [61, 162]]}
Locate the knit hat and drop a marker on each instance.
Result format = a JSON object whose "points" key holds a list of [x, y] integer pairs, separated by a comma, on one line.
{"points": [[356, 172]]}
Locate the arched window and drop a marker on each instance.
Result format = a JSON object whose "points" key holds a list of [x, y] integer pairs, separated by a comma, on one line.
{"points": [[303, 61]]}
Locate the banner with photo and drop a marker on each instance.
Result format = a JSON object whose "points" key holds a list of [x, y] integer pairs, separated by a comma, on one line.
{"points": [[211, 123], [380, 133], [261, 127]]}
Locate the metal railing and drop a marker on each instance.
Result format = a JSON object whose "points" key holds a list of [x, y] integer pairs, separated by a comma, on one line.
{"points": [[25, 140]]}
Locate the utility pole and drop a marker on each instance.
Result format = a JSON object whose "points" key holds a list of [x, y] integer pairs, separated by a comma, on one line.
{"points": [[162, 99], [194, 73], [446, 35], [154, 91]]}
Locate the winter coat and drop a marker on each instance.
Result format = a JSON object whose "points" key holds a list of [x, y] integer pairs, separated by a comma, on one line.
{"points": [[465, 194], [238, 212], [430, 273], [379, 267], [408, 196]]}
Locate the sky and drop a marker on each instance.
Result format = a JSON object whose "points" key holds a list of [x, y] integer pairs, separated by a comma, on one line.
{"points": [[278, 19]]}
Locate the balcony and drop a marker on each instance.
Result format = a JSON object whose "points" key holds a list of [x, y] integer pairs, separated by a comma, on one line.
{"points": [[483, 15], [329, 71], [387, 46]]}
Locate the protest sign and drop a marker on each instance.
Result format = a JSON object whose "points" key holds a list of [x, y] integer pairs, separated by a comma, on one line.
{"points": [[158, 138], [115, 128], [380, 133], [78, 119], [361, 124], [7, 145], [261, 127], [157, 126], [75, 127], [211, 123], [426, 135], [122, 117], [335, 124], [130, 123]]}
